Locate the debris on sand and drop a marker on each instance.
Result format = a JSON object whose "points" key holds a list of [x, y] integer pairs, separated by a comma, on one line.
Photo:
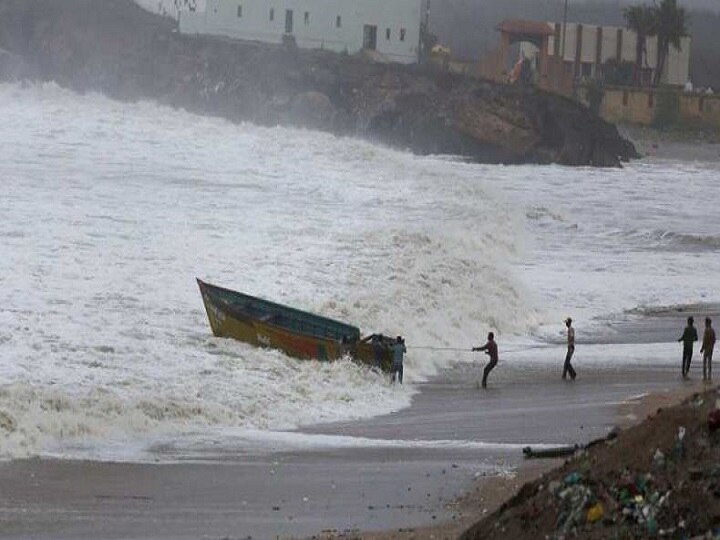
{"points": [[658, 479]]}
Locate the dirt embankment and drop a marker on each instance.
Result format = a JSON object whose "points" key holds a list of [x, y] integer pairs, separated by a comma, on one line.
{"points": [[114, 47], [658, 479]]}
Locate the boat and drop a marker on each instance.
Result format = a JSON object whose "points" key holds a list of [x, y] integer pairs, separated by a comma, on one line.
{"points": [[297, 333]]}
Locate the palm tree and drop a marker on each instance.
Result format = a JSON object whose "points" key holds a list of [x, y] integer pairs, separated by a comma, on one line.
{"points": [[671, 23], [640, 19]]}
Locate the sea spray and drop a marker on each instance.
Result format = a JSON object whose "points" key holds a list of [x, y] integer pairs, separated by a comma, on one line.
{"points": [[114, 209]]}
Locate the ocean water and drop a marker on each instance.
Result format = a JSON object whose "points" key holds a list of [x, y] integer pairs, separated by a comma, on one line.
{"points": [[110, 211]]}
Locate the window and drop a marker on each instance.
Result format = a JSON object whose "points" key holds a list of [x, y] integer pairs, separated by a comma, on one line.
{"points": [[307, 18], [338, 22], [272, 14], [387, 34], [402, 34], [239, 12]]}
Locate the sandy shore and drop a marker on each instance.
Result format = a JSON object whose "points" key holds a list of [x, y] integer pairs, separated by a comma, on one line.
{"points": [[443, 460], [685, 146], [489, 494]]}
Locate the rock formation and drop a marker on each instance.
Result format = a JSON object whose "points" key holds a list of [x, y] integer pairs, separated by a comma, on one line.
{"points": [[114, 47]]}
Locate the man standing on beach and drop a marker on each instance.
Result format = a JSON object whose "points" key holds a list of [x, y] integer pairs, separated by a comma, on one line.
{"points": [[688, 338], [706, 350], [567, 368], [378, 350], [491, 350], [399, 351]]}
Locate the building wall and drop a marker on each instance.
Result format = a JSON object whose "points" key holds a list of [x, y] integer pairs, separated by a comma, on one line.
{"points": [[677, 67], [337, 25], [609, 44], [628, 106], [589, 44], [678, 62], [698, 108], [638, 106]]}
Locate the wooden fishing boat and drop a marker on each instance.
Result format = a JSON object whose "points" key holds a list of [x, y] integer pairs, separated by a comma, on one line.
{"points": [[297, 333]]}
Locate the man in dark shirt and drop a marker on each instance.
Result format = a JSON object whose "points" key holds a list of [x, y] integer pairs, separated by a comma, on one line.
{"points": [[567, 367], [688, 338], [491, 350], [378, 350], [707, 349]]}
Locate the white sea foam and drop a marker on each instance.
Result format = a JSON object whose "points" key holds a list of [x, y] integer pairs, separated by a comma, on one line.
{"points": [[110, 210]]}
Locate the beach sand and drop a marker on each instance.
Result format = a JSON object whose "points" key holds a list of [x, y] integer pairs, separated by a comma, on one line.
{"points": [[431, 471]]}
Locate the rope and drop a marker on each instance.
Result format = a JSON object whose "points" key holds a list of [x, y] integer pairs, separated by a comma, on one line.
{"points": [[429, 348], [469, 349]]}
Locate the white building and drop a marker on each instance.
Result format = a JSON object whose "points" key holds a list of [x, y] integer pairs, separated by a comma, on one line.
{"points": [[389, 27]]}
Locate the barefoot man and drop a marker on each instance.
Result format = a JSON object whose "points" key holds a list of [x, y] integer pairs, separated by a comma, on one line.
{"points": [[706, 350], [491, 350], [567, 368]]}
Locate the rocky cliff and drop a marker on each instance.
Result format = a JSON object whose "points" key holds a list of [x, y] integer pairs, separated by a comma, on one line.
{"points": [[114, 47]]}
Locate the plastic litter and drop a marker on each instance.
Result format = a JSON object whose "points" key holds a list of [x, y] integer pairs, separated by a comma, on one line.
{"points": [[572, 478], [652, 526], [595, 513], [554, 487], [679, 448], [713, 420]]}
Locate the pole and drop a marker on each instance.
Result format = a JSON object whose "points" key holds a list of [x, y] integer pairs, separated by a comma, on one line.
{"points": [[562, 48]]}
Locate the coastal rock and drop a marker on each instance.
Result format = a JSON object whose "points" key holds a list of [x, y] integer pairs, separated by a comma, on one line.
{"points": [[113, 46], [312, 109]]}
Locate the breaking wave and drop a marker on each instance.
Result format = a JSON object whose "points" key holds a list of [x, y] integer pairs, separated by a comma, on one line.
{"points": [[120, 206], [659, 239]]}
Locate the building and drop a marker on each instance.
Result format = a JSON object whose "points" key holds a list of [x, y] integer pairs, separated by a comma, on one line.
{"points": [[389, 27], [585, 49]]}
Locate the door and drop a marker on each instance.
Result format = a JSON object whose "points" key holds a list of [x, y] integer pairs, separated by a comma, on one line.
{"points": [[288, 21], [370, 37]]}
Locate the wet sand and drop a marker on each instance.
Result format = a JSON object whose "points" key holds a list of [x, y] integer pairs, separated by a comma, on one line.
{"points": [[421, 477]]}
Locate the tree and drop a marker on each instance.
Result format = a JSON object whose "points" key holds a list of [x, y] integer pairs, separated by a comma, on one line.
{"points": [[642, 20], [671, 26]]}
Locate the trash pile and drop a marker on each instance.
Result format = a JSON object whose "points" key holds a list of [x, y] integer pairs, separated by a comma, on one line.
{"points": [[660, 479]]}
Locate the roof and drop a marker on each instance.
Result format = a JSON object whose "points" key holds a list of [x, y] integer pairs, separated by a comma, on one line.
{"points": [[530, 28]]}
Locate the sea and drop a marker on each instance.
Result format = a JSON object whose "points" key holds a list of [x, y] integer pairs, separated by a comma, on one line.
{"points": [[111, 210]]}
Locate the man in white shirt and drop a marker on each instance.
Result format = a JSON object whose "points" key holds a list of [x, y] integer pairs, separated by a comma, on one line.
{"points": [[567, 368]]}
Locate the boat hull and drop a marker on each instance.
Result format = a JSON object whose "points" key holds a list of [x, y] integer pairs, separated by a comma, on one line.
{"points": [[229, 319]]}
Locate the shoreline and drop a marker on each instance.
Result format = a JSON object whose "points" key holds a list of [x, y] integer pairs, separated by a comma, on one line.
{"points": [[423, 469], [670, 456], [490, 494]]}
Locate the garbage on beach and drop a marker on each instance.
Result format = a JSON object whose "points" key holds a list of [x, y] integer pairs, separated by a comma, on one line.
{"points": [[713, 420], [679, 449], [595, 513], [572, 479]]}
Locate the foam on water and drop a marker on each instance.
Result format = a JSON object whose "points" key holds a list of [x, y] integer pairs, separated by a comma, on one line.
{"points": [[110, 210]]}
